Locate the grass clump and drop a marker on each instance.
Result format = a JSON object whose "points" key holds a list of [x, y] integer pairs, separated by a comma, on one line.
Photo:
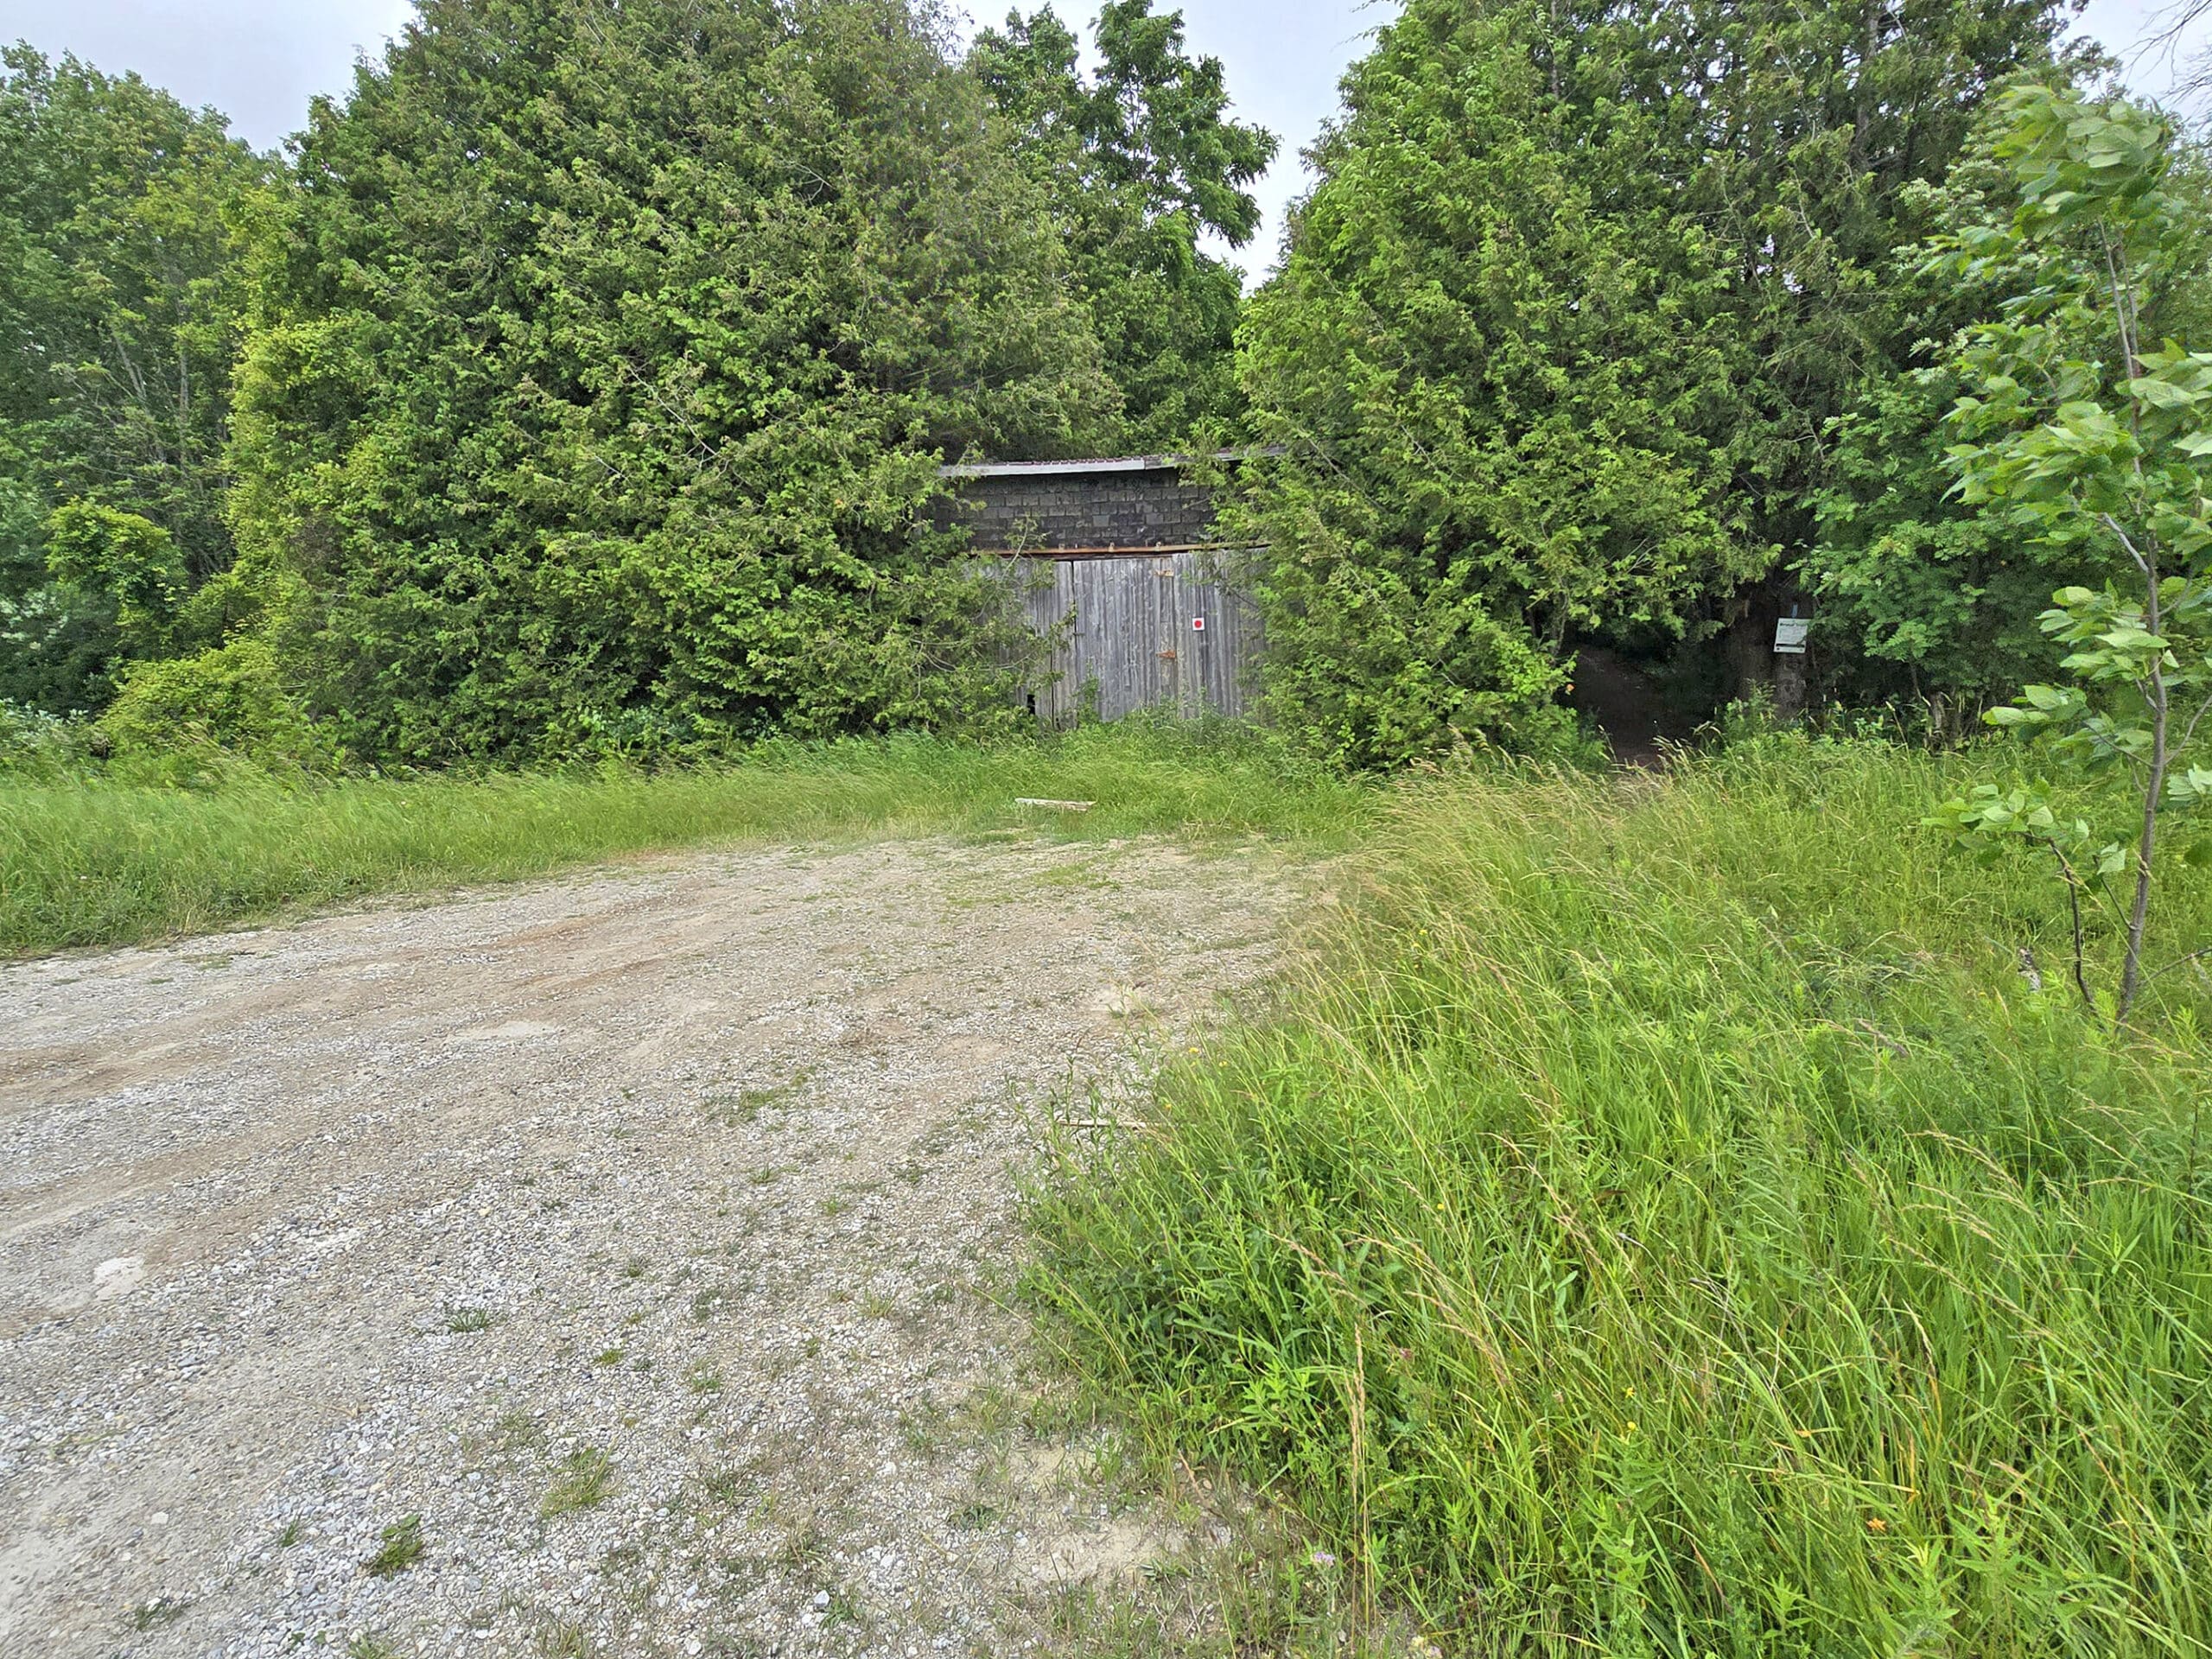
{"points": [[562, 1638], [399, 1545], [586, 1477], [86, 859], [158, 1613], [1663, 1219]]}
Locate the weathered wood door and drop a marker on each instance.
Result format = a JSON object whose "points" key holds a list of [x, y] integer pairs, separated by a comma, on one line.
{"points": [[1139, 631]]}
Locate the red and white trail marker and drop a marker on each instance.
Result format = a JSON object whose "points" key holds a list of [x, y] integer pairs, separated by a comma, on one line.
{"points": [[1197, 625]]}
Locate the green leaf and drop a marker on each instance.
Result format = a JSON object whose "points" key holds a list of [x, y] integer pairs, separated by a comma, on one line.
{"points": [[2163, 394], [2135, 641]]}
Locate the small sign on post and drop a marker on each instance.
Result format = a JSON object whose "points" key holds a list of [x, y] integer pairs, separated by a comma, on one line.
{"points": [[1790, 634], [1197, 625]]}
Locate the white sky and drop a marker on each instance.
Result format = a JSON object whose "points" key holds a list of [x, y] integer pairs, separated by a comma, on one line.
{"points": [[260, 61]]}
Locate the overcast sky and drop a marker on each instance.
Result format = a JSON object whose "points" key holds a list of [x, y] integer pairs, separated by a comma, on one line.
{"points": [[260, 61]]}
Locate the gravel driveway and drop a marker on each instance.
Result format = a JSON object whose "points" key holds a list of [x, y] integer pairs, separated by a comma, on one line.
{"points": [[606, 1267]]}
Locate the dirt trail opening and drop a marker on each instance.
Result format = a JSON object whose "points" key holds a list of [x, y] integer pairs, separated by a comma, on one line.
{"points": [[604, 1266]]}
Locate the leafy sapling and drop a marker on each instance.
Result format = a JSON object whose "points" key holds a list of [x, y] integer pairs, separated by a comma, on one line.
{"points": [[2097, 442]]}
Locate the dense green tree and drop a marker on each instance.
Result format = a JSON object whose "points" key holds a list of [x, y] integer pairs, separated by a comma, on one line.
{"points": [[123, 216], [1563, 325], [1922, 601], [607, 353], [1141, 161], [1924, 595]]}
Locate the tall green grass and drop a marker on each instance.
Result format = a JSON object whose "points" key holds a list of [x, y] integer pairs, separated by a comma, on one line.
{"points": [[87, 860], [1662, 1219]]}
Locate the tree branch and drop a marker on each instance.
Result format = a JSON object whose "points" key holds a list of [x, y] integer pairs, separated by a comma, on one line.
{"points": [[2141, 563], [2073, 902], [2179, 961]]}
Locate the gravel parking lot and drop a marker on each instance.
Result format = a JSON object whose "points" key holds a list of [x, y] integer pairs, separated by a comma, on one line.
{"points": [[613, 1266]]}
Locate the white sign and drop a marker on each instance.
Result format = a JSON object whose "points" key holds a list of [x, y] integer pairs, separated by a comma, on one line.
{"points": [[1197, 625], [1789, 635]]}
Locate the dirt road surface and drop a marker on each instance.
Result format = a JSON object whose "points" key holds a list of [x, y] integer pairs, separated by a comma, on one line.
{"points": [[608, 1267]]}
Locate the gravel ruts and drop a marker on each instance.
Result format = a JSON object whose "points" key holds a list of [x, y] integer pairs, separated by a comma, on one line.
{"points": [[642, 1234]]}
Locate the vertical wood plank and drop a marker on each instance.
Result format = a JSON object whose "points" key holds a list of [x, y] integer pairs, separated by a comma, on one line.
{"points": [[1126, 642]]}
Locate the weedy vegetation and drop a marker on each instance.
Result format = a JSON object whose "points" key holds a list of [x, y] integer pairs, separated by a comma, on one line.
{"points": [[559, 1638], [154, 1615], [1677, 1216]]}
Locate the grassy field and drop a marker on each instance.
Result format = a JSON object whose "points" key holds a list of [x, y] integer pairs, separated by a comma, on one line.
{"points": [[1663, 1219], [86, 860]]}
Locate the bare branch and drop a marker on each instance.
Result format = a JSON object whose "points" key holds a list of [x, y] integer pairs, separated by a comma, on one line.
{"points": [[2189, 735], [2197, 954]]}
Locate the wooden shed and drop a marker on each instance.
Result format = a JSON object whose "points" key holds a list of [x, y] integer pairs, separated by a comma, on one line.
{"points": [[1119, 557]]}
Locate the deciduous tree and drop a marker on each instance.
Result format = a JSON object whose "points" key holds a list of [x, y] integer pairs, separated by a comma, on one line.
{"points": [[2098, 438], [122, 217], [1142, 161], [1924, 596]]}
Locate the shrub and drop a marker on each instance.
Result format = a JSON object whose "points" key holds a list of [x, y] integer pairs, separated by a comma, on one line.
{"points": [[35, 745], [230, 700], [124, 557]]}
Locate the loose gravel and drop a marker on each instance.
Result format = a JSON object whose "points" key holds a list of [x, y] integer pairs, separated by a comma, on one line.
{"points": [[616, 1266]]}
